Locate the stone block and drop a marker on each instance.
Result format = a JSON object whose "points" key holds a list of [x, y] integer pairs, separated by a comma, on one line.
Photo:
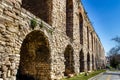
{"points": [[17, 5], [8, 73], [10, 14], [8, 63], [13, 66], [13, 77], [0, 74], [4, 75], [4, 68], [14, 72], [2, 26], [9, 2], [17, 11], [2, 48], [1, 78]]}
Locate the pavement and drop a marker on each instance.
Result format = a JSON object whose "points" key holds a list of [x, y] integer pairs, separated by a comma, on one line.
{"points": [[108, 75]]}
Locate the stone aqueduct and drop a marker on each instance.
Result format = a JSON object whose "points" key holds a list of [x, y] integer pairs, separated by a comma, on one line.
{"points": [[62, 42]]}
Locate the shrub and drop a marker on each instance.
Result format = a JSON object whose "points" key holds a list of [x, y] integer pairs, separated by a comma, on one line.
{"points": [[41, 25], [33, 23]]}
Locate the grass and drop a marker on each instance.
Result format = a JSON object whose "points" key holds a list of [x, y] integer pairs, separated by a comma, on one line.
{"points": [[83, 77]]}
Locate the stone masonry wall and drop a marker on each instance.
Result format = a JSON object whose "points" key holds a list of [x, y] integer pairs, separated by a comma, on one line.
{"points": [[15, 25]]}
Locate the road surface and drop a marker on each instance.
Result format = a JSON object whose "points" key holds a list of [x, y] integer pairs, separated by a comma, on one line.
{"points": [[110, 75]]}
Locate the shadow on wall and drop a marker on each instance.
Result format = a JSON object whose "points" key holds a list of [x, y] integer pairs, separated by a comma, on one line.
{"points": [[40, 8], [69, 60], [24, 77]]}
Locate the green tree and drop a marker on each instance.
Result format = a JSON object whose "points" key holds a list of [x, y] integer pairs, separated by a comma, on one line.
{"points": [[114, 62], [114, 53]]}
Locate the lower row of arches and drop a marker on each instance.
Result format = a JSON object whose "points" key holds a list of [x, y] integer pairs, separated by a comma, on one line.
{"points": [[35, 62]]}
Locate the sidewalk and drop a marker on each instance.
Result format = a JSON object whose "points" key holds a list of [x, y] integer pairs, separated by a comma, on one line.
{"points": [[96, 77]]}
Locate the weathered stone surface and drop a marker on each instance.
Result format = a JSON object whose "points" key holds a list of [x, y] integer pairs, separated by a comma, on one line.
{"points": [[4, 68], [0, 74], [12, 67], [77, 32]]}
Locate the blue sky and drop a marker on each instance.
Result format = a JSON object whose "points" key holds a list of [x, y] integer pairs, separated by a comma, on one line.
{"points": [[105, 17]]}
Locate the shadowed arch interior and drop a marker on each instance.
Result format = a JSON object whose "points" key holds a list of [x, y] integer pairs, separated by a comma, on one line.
{"points": [[81, 28], [88, 61], [34, 57], [88, 45], [69, 60], [92, 61], [40, 8], [69, 18], [81, 57]]}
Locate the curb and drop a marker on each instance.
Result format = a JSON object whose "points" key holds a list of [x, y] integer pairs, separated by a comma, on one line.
{"points": [[97, 76]]}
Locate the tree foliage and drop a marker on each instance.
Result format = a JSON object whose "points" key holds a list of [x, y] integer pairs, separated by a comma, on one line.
{"points": [[117, 39], [114, 53]]}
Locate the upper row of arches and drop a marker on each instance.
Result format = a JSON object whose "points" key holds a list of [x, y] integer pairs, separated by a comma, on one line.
{"points": [[43, 10], [40, 8]]}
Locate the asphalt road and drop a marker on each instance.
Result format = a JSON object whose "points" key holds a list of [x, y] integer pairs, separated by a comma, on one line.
{"points": [[110, 75]]}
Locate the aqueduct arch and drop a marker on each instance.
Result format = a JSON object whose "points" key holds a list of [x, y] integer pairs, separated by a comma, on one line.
{"points": [[81, 28], [69, 18], [81, 60], [93, 62], [40, 8], [35, 57], [69, 60], [88, 61]]}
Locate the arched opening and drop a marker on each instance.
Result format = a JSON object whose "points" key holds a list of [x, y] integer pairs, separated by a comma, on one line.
{"points": [[81, 28], [69, 18], [92, 40], [88, 61], [34, 57], [92, 62], [96, 62], [81, 56], [69, 60], [88, 38], [40, 8]]}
